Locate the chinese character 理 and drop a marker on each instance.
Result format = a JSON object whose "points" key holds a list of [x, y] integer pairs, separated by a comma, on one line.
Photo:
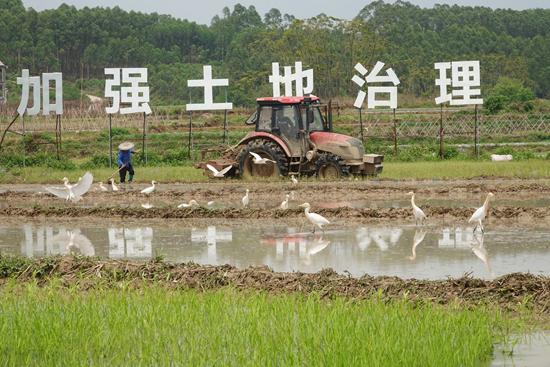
{"points": [[464, 82]]}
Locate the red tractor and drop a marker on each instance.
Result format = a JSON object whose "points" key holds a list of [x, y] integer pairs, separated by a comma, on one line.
{"points": [[296, 138]]}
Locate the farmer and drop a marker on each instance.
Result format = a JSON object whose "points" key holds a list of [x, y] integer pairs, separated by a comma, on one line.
{"points": [[125, 151]]}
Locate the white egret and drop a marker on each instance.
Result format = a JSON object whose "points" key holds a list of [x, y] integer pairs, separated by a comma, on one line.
{"points": [[293, 195], [150, 189], [245, 200], [314, 218], [146, 206], [216, 173], [73, 192], [260, 160], [210, 204], [102, 187], [284, 204], [419, 236], [190, 204], [294, 180], [114, 187], [480, 214], [419, 215]]}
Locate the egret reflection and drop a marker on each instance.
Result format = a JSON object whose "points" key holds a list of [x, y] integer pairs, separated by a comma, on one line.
{"points": [[478, 248], [419, 236], [47, 241]]}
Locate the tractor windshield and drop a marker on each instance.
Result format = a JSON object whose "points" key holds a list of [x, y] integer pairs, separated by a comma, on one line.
{"points": [[317, 124]]}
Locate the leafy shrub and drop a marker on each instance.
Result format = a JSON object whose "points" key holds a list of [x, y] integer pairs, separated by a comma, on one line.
{"points": [[509, 95]]}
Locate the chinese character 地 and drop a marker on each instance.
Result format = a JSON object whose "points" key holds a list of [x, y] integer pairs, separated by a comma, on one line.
{"points": [[26, 81], [464, 82], [375, 77], [135, 95], [289, 78], [208, 84]]}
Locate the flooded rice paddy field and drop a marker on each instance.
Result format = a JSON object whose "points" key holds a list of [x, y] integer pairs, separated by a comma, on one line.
{"points": [[371, 229], [402, 250]]}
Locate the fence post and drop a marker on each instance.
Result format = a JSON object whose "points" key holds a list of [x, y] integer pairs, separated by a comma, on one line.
{"points": [[110, 142], [361, 125], [394, 133], [441, 147], [143, 144], [224, 126], [190, 141], [476, 137]]}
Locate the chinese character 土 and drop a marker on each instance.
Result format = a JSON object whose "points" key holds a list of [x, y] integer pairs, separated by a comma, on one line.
{"points": [[26, 81], [208, 84], [288, 78], [375, 77], [130, 91], [465, 82]]}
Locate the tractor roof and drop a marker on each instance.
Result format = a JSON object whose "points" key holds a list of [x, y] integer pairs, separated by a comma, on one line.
{"points": [[285, 100]]}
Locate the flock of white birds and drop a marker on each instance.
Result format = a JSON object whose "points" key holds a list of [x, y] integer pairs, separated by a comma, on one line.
{"points": [[74, 193]]}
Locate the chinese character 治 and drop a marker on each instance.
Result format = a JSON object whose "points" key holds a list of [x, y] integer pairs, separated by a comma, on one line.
{"points": [[208, 84], [372, 92], [465, 82], [26, 81], [134, 95], [288, 78]]}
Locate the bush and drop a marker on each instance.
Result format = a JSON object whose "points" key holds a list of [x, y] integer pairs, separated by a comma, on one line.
{"points": [[509, 95]]}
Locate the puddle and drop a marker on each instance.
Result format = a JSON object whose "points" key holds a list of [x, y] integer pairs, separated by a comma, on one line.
{"points": [[406, 252], [530, 351]]}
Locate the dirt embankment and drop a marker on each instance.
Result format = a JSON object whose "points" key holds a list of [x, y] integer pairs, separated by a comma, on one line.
{"points": [[508, 291], [537, 214]]}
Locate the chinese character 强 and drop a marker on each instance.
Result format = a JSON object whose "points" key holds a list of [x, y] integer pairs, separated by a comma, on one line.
{"points": [[134, 95]]}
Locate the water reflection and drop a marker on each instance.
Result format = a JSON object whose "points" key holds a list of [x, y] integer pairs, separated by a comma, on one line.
{"points": [[419, 236], [376, 250], [132, 243]]}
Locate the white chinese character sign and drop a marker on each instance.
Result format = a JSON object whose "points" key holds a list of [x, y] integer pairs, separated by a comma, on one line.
{"points": [[130, 92], [40, 92], [373, 91], [465, 83], [208, 84], [289, 78]]}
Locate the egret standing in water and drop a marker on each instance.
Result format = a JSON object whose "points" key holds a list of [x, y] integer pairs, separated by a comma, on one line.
{"points": [[314, 218], [245, 200], [419, 215], [150, 189], [481, 213]]}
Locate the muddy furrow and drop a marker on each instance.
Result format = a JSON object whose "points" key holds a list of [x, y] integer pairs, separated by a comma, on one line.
{"points": [[346, 212], [508, 291]]}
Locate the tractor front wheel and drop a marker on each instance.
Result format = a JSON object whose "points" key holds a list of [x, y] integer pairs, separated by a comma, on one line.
{"points": [[265, 149], [331, 167]]}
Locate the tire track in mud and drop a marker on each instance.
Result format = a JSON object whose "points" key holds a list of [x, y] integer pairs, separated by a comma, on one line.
{"points": [[538, 214], [509, 292]]}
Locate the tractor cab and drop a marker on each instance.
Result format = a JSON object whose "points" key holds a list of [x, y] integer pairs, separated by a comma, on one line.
{"points": [[290, 119]]}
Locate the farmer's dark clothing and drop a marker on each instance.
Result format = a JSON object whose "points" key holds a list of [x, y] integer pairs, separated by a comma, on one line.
{"points": [[125, 158]]}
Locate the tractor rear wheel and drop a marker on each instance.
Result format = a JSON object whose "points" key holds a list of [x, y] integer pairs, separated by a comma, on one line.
{"points": [[265, 149], [331, 167]]}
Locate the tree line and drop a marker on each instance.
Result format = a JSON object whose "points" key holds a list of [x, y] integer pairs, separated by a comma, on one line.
{"points": [[241, 44]]}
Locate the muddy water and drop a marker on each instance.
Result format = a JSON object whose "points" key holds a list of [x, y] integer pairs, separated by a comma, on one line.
{"points": [[403, 251], [530, 350]]}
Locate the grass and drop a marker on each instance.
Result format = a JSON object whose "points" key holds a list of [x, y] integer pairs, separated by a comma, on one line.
{"points": [[535, 169], [53, 326]]}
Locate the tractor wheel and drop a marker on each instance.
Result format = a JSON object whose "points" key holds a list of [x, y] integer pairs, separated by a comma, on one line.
{"points": [[266, 149], [331, 167]]}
